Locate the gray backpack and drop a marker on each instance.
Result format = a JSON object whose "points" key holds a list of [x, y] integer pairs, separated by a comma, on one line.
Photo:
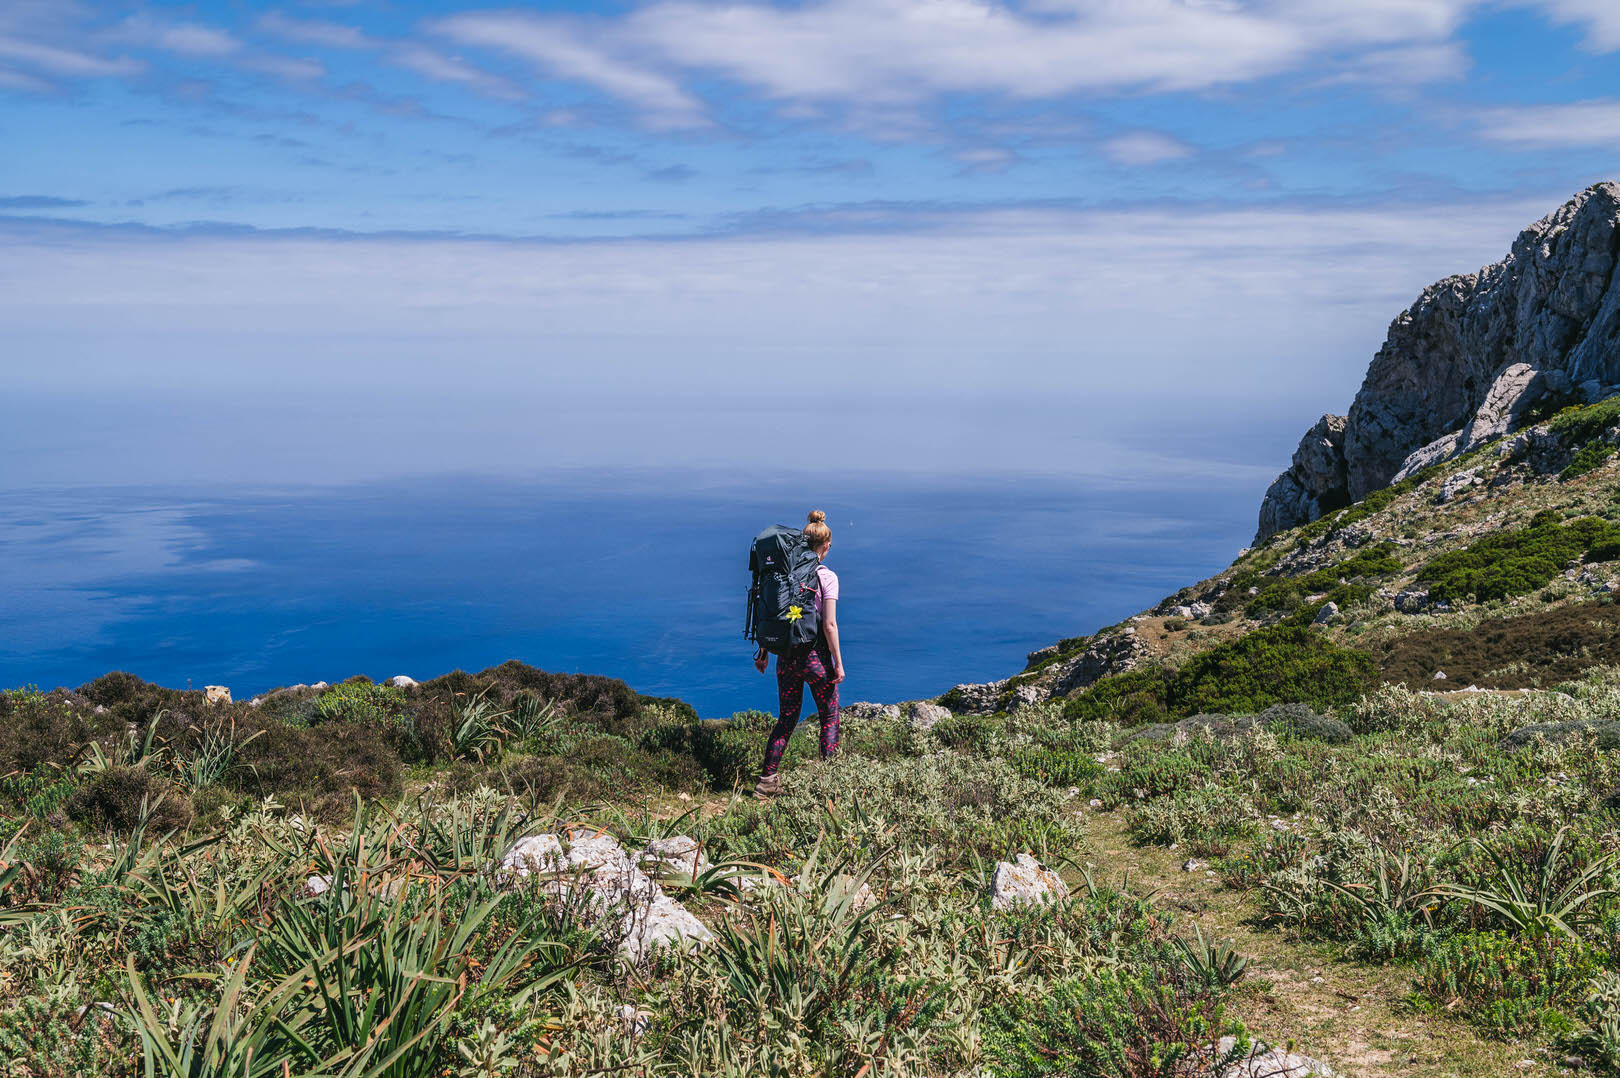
{"points": [[782, 598]]}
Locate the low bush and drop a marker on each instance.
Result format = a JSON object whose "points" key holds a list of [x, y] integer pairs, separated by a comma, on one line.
{"points": [[357, 701], [1114, 1025], [1507, 986], [111, 800], [1283, 664], [1504, 564]]}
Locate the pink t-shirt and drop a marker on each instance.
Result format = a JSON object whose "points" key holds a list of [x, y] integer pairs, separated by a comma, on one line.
{"points": [[828, 588]]}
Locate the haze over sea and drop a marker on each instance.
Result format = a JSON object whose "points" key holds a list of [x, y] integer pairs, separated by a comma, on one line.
{"points": [[948, 575]]}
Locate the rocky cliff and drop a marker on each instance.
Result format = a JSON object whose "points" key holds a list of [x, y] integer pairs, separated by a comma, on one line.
{"points": [[1469, 360]]}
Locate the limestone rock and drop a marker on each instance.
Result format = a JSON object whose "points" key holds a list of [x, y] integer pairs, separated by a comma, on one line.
{"points": [[1114, 653], [1473, 353], [924, 715], [1454, 486], [678, 853], [1023, 881], [217, 694], [646, 916], [1328, 612], [865, 709], [1412, 601], [977, 699], [1041, 654], [1274, 1063], [400, 681], [1314, 483]]}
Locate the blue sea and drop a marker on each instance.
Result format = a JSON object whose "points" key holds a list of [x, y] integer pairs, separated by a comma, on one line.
{"points": [[638, 575]]}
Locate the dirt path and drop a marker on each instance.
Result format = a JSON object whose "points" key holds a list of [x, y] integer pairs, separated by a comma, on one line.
{"points": [[1347, 1014]]}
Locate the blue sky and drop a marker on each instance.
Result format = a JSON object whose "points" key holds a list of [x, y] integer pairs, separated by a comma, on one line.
{"points": [[615, 211]]}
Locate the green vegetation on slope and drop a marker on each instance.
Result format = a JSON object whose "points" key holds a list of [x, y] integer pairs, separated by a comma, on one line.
{"points": [[1283, 664], [1508, 563]]}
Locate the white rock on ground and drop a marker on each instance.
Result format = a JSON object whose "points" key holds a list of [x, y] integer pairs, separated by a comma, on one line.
{"points": [[924, 715], [678, 853], [648, 917], [1022, 881], [1276, 1063], [1328, 612], [400, 681]]}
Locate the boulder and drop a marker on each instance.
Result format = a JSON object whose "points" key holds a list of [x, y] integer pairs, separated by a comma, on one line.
{"points": [[1328, 612], [1471, 355], [977, 699], [1272, 1063], [1023, 881], [924, 715], [400, 681], [217, 694], [865, 709], [1113, 653], [646, 916], [1412, 601], [1454, 486]]}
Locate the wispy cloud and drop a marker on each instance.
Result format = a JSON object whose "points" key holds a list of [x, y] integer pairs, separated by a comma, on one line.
{"points": [[1145, 148], [565, 50], [1581, 123], [869, 54], [189, 39]]}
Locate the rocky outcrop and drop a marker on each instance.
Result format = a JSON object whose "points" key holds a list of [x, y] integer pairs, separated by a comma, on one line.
{"points": [[1465, 362], [924, 715], [1314, 483], [1114, 653]]}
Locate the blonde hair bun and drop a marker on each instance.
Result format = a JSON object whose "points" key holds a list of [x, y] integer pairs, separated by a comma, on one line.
{"points": [[817, 531]]}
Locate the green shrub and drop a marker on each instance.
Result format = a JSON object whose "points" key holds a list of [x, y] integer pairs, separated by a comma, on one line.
{"points": [[1209, 821], [1282, 664], [1506, 986], [1505, 564], [357, 701], [1577, 426], [1588, 458], [1113, 1025], [37, 729], [1278, 665], [1527, 651]]}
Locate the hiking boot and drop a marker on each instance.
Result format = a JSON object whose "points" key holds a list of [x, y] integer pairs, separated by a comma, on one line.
{"points": [[768, 787]]}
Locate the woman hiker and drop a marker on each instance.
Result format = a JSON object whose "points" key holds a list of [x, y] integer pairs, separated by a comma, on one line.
{"points": [[818, 664]]}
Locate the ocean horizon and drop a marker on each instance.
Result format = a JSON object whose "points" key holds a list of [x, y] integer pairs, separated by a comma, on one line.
{"points": [[636, 575]]}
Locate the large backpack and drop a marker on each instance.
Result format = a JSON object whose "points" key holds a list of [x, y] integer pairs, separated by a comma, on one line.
{"points": [[782, 598]]}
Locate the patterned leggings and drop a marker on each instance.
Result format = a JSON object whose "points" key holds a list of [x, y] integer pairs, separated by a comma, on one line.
{"points": [[809, 665]]}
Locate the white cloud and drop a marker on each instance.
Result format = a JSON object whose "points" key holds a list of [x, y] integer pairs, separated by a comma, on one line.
{"points": [[441, 68], [319, 32], [188, 39], [1599, 18], [877, 53], [562, 50], [56, 60], [962, 302], [1581, 123], [1146, 148]]}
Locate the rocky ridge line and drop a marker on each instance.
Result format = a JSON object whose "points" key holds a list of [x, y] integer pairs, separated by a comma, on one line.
{"points": [[1469, 360]]}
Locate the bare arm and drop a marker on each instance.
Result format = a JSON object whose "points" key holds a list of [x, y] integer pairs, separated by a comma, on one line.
{"points": [[829, 626]]}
